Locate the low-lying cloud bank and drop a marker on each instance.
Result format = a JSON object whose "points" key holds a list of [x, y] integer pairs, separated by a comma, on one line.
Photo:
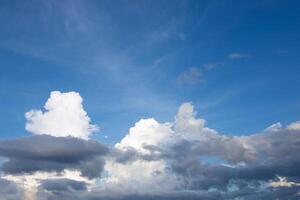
{"points": [[47, 153], [183, 159]]}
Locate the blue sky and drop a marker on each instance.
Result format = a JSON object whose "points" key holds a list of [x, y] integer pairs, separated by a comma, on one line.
{"points": [[237, 62]]}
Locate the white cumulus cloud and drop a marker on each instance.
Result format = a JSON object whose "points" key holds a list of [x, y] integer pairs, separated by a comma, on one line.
{"points": [[141, 175], [145, 132], [294, 126], [63, 116], [188, 126]]}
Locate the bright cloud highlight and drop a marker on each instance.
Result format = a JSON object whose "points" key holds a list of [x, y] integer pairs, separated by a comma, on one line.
{"points": [[64, 116]]}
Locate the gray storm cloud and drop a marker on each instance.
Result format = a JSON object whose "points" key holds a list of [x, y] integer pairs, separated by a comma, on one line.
{"points": [[48, 153]]}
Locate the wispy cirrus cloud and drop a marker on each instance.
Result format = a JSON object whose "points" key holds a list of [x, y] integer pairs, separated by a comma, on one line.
{"points": [[231, 56], [191, 76], [211, 66], [194, 75], [237, 56]]}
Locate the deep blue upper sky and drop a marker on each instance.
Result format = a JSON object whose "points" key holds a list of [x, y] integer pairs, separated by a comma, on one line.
{"points": [[133, 59]]}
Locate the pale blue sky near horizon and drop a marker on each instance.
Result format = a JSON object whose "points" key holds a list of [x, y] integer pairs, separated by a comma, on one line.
{"points": [[237, 62]]}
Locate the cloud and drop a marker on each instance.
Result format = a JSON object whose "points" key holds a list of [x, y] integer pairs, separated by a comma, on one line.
{"points": [[237, 56], [145, 132], [245, 161], [186, 124], [190, 77], [274, 127], [65, 185], [154, 160], [210, 66], [282, 182], [249, 158], [231, 56], [33, 159], [64, 116], [52, 154], [95, 195], [31, 184], [294, 126], [148, 175], [9, 190], [193, 75]]}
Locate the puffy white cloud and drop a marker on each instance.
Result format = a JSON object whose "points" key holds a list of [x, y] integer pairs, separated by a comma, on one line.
{"points": [[145, 132], [141, 175], [190, 128], [148, 176], [294, 126], [185, 119], [64, 116]]}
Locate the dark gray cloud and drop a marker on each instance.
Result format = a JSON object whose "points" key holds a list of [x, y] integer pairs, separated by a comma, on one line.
{"points": [[241, 159], [47, 153], [247, 193], [63, 185], [258, 157], [63, 189]]}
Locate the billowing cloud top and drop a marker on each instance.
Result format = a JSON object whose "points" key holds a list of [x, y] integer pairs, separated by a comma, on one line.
{"points": [[64, 116], [182, 160]]}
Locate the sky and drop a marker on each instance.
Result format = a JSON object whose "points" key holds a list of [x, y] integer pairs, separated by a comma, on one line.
{"points": [[136, 82]]}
